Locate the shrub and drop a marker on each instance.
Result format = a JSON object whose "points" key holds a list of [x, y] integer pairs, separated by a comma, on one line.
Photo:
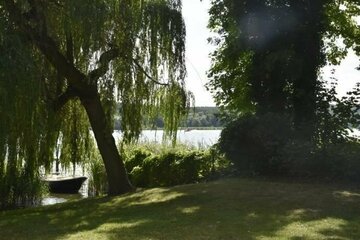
{"points": [[253, 143], [334, 162], [188, 166], [139, 177], [153, 165], [150, 166], [350, 155], [167, 169], [266, 145], [135, 158], [298, 158]]}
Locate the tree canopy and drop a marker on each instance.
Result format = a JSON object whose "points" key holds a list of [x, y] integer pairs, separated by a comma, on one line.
{"points": [[64, 64], [269, 53], [284, 119]]}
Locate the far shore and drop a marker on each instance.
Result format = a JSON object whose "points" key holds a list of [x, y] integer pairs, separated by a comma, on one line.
{"points": [[184, 128]]}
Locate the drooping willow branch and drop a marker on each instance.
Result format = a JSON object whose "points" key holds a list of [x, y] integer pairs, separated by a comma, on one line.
{"points": [[147, 74], [47, 46], [103, 63], [66, 46], [110, 55]]}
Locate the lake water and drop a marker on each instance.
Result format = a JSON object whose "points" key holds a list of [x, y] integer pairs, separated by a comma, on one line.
{"points": [[60, 198], [198, 138], [203, 138]]}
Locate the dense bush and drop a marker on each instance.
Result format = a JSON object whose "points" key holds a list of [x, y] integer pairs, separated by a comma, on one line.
{"points": [[160, 165], [135, 157], [171, 166], [334, 162], [254, 143], [267, 145]]}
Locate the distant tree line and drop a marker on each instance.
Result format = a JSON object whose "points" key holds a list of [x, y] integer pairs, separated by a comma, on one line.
{"points": [[197, 117]]}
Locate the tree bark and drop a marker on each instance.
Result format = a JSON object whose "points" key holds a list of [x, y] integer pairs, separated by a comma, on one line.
{"points": [[116, 173], [308, 49], [115, 169]]}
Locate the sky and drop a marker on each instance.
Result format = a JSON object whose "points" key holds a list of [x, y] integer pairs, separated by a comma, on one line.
{"points": [[195, 13]]}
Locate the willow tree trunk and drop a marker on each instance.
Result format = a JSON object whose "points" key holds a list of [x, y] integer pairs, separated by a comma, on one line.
{"points": [[88, 94], [116, 173], [115, 169]]}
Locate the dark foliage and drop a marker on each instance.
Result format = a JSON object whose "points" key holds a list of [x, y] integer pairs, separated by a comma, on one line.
{"points": [[336, 162], [269, 54], [254, 143], [268, 145]]}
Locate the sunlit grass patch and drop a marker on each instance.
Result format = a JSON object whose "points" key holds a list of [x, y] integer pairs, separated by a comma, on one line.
{"points": [[309, 230], [225, 209]]}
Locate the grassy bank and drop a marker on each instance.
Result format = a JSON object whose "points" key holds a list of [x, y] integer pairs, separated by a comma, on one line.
{"points": [[225, 209]]}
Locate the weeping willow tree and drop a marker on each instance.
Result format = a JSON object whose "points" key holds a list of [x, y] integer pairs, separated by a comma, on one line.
{"points": [[63, 66]]}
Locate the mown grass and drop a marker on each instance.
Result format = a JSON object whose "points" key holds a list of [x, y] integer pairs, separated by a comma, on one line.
{"points": [[225, 209]]}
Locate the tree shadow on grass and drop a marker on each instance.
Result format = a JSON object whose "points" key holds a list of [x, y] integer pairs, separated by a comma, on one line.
{"points": [[228, 209]]}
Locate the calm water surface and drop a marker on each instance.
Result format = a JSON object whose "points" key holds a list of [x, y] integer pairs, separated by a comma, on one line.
{"points": [[193, 137], [60, 198]]}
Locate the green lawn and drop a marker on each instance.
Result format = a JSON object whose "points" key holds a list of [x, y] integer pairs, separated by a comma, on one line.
{"points": [[225, 209]]}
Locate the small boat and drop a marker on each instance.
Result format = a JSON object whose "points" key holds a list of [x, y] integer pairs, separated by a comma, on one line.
{"points": [[59, 184]]}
